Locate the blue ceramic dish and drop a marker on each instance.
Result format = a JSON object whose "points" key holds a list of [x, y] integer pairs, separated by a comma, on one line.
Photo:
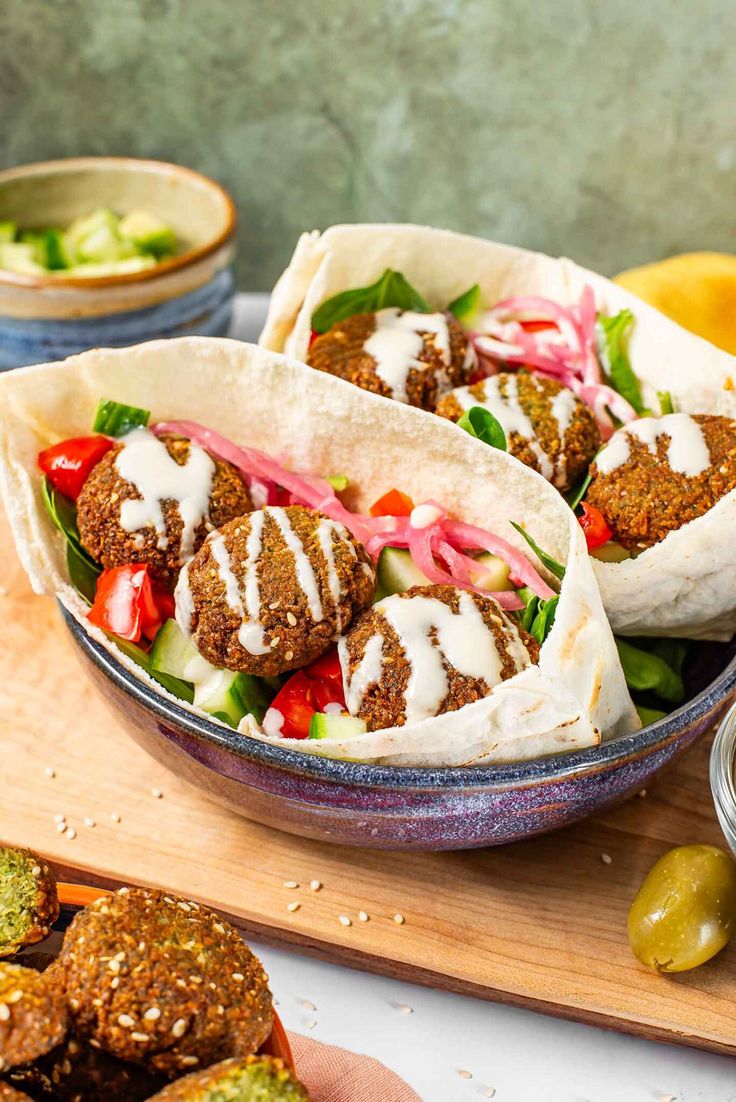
{"points": [[399, 808]]}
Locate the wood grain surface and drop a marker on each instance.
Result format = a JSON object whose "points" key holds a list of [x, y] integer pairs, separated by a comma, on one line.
{"points": [[540, 924]]}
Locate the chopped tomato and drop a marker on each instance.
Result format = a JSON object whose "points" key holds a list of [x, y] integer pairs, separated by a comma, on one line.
{"points": [[308, 691], [283, 497], [594, 526], [537, 326], [313, 337], [392, 504], [129, 603], [68, 465]]}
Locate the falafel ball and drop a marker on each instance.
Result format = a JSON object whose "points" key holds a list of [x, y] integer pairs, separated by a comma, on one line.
{"points": [[411, 357], [547, 426], [141, 518], [29, 905], [271, 591], [77, 1072], [163, 982], [33, 1016], [659, 473], [429, 650], [254, 1079]]}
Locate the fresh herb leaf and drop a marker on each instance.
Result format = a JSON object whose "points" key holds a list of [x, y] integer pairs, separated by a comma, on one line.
{"points": [[576, 496], [115, 418], [552, 565], [467, 305], [480, 422], [531, 606], [666, 405], [649, 715], [83, 570], [647, 671], [612, 349], [392, 289], [339, 482], [538, 615]]}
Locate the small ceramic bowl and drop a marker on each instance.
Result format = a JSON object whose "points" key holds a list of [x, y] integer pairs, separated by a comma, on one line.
{"points": [[72, 897], [48, 317], [722, 777], [405, 808]]}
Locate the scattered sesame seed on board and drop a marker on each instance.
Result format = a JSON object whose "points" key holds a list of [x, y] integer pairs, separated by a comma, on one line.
{"points": [[315, 885], [115, 817], [293, 906], [363, 916], [403, 1008], [464, 1073], [399, 919], [489, 1092], [606, 859], [291, 883], [71, 833], [156, 793], [310, 1024], [345, 920], [59, 818], [89, 821], [50, 772], [61, 826], [308, 1005]]}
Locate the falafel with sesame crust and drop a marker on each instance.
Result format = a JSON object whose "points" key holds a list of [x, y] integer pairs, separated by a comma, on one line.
{"points": [[29, 904], [657, 474], [33, 1017], [254, 1079], [271, 591], [78, 1072], [429, 650], [547, 426], [136, 507], [163, 982], [413, 358]]}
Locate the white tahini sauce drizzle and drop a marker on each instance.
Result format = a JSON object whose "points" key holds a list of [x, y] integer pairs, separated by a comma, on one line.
{"points": [[245, 602], [687, 452], [508, 411], [145, 462], [304, 569], [326, 530], [462, 638], [184, 602], [396, 344]]}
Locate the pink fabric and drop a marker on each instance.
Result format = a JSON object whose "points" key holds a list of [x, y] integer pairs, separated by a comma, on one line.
{"points": [[335, 1075]]}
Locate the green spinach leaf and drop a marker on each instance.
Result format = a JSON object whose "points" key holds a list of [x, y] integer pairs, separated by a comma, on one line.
{"points": [[612, 348], [392, 289], [552, 565], [481, 423]]}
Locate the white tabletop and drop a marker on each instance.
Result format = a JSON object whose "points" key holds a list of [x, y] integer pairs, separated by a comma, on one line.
{"points": [[451, 1048]]}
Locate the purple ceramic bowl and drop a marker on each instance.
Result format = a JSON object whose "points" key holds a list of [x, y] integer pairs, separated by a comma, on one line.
{"points": [[405, 808]]}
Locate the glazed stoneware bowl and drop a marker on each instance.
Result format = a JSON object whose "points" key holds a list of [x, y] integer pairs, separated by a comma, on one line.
{"points": [[401, 808], [72, 897], [48, 317]]}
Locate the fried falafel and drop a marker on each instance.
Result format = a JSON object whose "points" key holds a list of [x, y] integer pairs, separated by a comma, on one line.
{"points": [[78, 1072], [163, 982], [33, 1017], [657, 474], [29, 905], [254, 1079], [429, 650], [547, 427], [271, 591], [411, 357], [152, 500], [10, 1094]]}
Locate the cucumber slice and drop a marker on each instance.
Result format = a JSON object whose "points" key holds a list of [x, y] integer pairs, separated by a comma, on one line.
{"points": [[335, 726], [611, 552], [113, 267], [498, 577], [397, 572], [173, 653], [22, 257], [175, 685], [148, 232], [8, 232]]}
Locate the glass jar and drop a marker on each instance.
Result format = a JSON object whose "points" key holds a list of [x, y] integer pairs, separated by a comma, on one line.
{"points": [[722, 781]]}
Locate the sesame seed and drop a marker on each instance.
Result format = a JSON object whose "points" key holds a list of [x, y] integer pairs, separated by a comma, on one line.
{"points": [[238, 976], [115, 817], [606, 859], [293, 906], [89, 821], [307, 1005], [399, 919], [59, 818], [71, 833], [14, 996], [642, 794], [4, 1012], [291, 883], [274, 604], [184, 906], [345, 920], [275, 641], [189, 1061], [114, 497], [120, 956], [126, 1021], [219, 927], [404, 1008], [289, 655], [156, 793], [36, 870], [310, 1024], [114, 966], [61, 826], [140, 1037], [50, 772], [291, 618], [115, 983], [465, 1074], [363, 916], [489, 1092], [179, 1027], [315, 885]]}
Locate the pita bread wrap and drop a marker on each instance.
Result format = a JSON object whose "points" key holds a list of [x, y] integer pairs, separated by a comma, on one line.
{"points": [[684, 586], [324, 425]]}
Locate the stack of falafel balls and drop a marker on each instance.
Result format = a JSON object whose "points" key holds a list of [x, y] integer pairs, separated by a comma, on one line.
{"points": [[150, 997]]}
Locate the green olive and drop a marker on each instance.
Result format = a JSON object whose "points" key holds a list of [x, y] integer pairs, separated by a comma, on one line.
{"points": [[685, 911]]}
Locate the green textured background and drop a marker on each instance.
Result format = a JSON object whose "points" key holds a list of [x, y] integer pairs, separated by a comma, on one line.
{"points": [[605, 130]]}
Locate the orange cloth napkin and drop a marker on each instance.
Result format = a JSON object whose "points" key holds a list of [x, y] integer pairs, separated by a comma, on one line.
{"points": [[334, 1075]]}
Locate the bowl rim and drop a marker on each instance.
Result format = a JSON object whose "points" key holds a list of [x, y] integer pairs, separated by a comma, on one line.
{"points": [[174, 263], [547, 770], [81, 895]]}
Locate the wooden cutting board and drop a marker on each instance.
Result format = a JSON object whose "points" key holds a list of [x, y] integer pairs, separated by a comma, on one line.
{"points": [[540, 924]]}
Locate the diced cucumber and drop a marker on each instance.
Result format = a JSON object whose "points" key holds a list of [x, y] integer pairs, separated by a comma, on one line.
{"points": [[56, 256], [148, 232], [22, 257], [175, 685], [8, 232], [114, 267], [100, 228], [222, 693], [611, 552], [398, 572], [335, 726]]}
